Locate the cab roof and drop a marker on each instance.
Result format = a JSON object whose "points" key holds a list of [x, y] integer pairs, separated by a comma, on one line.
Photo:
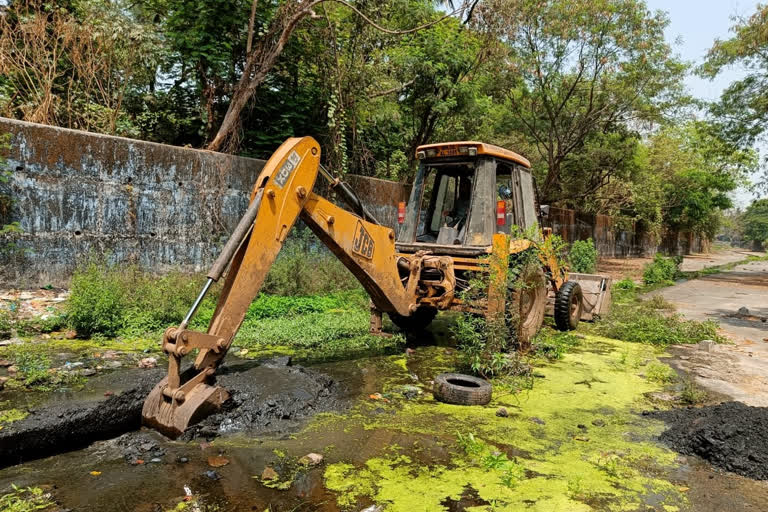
{"points": [[445, 149]]}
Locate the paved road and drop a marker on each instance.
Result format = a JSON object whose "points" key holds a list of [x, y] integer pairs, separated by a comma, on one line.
{"points": [[738, 370]]}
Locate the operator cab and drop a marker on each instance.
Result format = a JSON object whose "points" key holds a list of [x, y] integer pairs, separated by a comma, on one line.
{"points": [[463, 193]]}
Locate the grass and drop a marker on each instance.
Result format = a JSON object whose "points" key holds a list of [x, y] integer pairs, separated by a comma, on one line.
{"points": [[26, 499], [650, 321]]}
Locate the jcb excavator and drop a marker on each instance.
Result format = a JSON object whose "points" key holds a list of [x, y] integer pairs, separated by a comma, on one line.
{"points": [[458, 222]]}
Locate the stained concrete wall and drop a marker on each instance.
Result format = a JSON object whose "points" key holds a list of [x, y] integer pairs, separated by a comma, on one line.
{"points": [[77, 193]]}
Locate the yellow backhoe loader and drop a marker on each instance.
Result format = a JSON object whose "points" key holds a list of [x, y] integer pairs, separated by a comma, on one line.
{"points": [[458, 222]]}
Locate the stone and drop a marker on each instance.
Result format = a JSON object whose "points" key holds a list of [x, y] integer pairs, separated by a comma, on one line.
{"points": [[212, 475], [4, 363], [87, 372], [707, 345], [269, 474], [410, 392], [3, 380], [501, 412], [311, 459], [598, 423], [743, 311], [148, 362], [538, 421], [12, 370]]}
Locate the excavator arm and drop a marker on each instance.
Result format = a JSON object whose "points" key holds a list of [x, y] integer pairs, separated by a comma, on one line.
{"points": [[282, 193]]}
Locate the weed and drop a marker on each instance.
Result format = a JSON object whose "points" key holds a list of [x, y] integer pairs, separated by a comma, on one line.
{"points": [[661, 373], [5, 323], [11, 415], [305, 267], [552, 344], [649, 321], [625, 284], [512, 475], [33, 364], [662, 270], [583, 256], [470, 444], [495, 460], [691, 393], [25, 499]]}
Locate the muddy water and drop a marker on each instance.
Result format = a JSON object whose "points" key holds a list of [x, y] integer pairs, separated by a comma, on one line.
{"points": [[160, 485], [168, 467]]}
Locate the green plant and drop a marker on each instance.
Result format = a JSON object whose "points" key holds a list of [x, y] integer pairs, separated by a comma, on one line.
{"points": [[583, 256], [625, 284], [661, 270], [11, 415], [692, 393], [96, 300], [661, 373], [33, 364], [25, 499], [649, 321], [469, 444], [552, 344]]}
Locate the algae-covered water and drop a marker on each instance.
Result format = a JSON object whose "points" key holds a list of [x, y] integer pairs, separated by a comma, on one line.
{"points": [[575, 441]]}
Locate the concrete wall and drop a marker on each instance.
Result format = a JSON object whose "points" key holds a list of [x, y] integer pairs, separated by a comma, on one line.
{"points": [[77, 193]]}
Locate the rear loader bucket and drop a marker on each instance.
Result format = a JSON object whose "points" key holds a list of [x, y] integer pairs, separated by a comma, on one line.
{"points": [[597, 294]]}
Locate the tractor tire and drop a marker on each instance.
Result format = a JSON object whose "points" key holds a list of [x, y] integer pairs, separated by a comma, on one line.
{"points": [[526, 308], [459, 389], [417, 322], [568, 306]]}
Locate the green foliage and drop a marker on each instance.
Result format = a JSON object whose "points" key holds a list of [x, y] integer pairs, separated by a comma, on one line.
{"points": [[625, 284], [692, 393], [661, 373], [755, 221], [11, 415], [305, 267], [583, 256], [26, 499], [552, 345], [96, 302], [484, 347], [33, 364], [651, 322], [662, 270]]}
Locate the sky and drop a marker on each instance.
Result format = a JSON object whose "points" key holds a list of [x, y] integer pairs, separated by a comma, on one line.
{"points": [[694, 25]]}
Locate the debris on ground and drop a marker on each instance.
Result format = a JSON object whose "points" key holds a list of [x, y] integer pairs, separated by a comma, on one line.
{"points": [[269, 474], [311, 459], [148, 362], [730, 436], [217, 461]]}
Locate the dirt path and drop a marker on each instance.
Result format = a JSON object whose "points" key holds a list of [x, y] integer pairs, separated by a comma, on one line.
{"points": [[739, 370]]}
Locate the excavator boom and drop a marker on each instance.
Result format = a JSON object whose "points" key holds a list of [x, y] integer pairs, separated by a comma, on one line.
{"points": [[282, 193]]}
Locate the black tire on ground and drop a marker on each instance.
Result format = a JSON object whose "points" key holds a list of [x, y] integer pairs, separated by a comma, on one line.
{"points": [[568, 306], [460, 389], [417, 322], [526, 308]]}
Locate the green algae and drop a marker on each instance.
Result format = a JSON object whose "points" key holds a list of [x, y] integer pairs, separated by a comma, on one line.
{"points": [[11, 415], [576, 437]]}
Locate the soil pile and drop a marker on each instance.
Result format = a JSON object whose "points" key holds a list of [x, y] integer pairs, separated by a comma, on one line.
{"points": [[271, 398], [731, 436]]}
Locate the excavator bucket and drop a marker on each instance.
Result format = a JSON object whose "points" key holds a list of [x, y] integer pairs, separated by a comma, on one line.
{"points": [[172, 417], [597, 294]]}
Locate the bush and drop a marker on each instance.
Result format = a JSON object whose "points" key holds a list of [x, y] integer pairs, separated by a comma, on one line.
{"points": [[583, 256], [305, 267], [96, 301], [647, 322], [661, 270]]}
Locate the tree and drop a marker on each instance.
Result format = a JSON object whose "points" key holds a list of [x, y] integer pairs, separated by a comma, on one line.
{"points": [[695, 169], [579, 68], [755, 221], [265, 53]]}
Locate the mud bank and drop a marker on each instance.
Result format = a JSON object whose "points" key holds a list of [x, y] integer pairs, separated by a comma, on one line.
{"points": [[730, 436], [266, 397], [61, 427]]}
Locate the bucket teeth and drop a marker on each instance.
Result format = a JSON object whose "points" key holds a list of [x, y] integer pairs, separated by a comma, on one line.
{"points": [[172, 417]]}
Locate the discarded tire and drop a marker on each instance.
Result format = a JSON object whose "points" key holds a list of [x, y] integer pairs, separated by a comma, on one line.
{"points": [[568, 305], [459, 389]]}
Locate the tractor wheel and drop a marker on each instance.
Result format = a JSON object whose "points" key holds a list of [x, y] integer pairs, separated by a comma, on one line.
{"points": [[526, 306], [568, 305], [417, 322]]}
